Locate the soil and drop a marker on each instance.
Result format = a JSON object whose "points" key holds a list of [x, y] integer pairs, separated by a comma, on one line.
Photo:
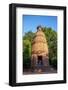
{"points": [[38, 70]]}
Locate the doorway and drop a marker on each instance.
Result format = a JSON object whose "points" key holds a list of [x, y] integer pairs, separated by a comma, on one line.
{"points": [[40, 61]]}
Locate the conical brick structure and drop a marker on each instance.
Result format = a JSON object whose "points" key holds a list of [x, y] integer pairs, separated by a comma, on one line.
{"points": [[39, 49]]}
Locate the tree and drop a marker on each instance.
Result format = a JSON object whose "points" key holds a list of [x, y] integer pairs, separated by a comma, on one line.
{"points": [[51, 37], [29, 35], [27, 39]]}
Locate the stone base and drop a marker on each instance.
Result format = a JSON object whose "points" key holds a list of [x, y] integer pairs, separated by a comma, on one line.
{"points": [[35, 59]]}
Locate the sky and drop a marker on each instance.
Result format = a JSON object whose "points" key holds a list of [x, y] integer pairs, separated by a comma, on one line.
{"points": [[32, 21]]}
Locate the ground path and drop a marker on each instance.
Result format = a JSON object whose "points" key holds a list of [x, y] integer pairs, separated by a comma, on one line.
{"points": [[43, 70]]}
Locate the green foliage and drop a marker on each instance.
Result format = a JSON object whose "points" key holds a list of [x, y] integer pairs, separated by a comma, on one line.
{"points": [[27, 49], [51, 37], [29, 36]]}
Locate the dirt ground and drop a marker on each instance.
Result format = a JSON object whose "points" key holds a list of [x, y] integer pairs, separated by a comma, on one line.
{"points": [[44, 70]]}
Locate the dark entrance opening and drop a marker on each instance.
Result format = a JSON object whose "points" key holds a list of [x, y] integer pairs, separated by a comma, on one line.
{"points": [[40, 61]]}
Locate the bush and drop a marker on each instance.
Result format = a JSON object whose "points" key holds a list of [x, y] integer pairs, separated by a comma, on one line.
{"points": [[54, 63], [26, 62]]}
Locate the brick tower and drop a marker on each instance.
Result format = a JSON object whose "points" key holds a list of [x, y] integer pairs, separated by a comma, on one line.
{"points": [[39, 50]]}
